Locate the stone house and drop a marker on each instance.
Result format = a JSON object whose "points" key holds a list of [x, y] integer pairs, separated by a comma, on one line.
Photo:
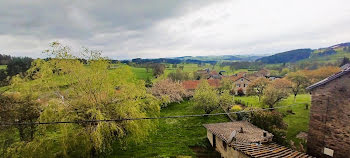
{"points": [[329, 126], [240, 82], [241, 139]]}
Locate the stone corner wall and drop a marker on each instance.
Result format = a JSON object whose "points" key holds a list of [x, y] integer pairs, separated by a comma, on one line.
{"points": [[329, 124]]}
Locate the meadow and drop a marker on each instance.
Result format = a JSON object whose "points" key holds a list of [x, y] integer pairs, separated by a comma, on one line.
{"points": [[176, 137], [141, 73]]}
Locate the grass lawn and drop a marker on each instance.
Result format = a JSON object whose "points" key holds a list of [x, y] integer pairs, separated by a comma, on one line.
{"points": [[141, 73], [297, 122], [175, 137]]}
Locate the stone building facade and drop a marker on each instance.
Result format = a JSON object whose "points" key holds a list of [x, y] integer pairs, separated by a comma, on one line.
{"points": [[329, 126], [240, 82]]}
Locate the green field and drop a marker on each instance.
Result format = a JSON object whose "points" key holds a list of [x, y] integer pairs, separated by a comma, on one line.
{"points": [[175, 137], [141, 73], [297, 122]]}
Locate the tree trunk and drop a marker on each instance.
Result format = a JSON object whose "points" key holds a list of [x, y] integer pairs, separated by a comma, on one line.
{"points": [[295, 97]]}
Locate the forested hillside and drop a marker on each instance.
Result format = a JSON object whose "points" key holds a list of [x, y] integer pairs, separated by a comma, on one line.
{"points": [[285, 57]]}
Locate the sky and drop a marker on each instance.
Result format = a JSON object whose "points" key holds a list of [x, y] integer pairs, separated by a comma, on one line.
{"points": [[126, 29]]}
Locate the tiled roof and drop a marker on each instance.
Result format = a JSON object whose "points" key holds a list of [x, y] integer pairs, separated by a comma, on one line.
{"points": [[235, 78], [250, 134], [345, 66], [330, 78], [213, 72], [190, 84], [214, 83], [270, 150]]}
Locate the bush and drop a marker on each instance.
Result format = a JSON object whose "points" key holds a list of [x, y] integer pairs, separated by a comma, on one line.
{"points": [[271, 121], [236, 108]]}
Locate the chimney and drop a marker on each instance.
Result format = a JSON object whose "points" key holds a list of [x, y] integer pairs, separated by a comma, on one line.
{"points": [[241, 131]]}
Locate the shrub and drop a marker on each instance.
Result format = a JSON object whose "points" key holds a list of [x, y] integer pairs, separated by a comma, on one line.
{"points": [[236, 108]]}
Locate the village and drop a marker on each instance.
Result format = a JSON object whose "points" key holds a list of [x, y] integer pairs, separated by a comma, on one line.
{"points": [[175, 79]]}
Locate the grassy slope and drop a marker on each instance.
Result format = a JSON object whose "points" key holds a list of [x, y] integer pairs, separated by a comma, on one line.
{"points": [[174, 136], [296, 123]]}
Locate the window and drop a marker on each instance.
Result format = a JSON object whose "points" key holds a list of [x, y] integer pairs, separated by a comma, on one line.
{"points": [[224, 145], [243, 85], [242, 79], [238, 85]]}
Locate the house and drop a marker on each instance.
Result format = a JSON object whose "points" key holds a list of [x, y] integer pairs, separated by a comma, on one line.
{"points": [[240, 82], [329, 126], [241, 139], [262, 73]]}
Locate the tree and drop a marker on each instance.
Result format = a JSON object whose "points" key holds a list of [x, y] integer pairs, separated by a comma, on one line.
{"points": [[271, 121], [158, 69], [174, 66], [226, 85], [276, 92], [345, 61], [181, 67], [299, 81], [22, 110], [258, 86], [226, 100], [205, 97], [320, 74], [72, 91], [179, 75], [18, 65], [168, 91]]}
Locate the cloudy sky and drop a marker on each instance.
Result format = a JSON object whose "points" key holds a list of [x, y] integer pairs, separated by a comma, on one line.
{"points": [[167, 28]]}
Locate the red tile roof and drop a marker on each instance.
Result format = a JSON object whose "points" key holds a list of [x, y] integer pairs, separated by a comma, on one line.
{"points": [[190, 85], [214, 83], [213, 73]]}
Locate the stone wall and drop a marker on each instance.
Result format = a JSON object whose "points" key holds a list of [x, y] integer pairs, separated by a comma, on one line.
{"points": [[330, 119], [229, 152], [241, 85]]}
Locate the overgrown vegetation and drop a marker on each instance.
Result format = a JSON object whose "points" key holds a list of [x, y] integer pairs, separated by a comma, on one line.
{"points": [[69, 90]]}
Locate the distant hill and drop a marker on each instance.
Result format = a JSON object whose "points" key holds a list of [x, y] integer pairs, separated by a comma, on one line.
{"points": [[196, 59], [328, 54], [285, 57]]}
